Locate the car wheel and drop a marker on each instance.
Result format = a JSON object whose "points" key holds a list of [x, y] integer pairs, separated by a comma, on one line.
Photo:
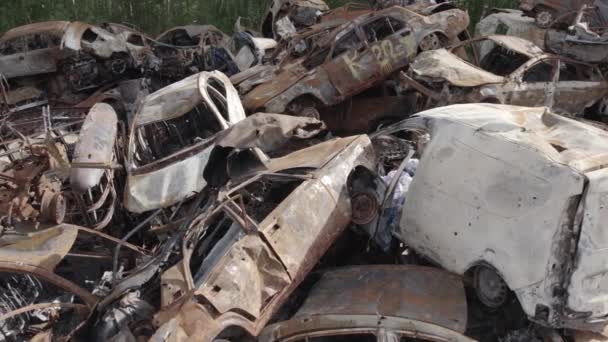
{"points": [[544, 17], [491, 289], [430, 42]]}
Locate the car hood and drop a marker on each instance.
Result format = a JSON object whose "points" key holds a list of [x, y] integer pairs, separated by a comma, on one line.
{"points": [[444, 65]]}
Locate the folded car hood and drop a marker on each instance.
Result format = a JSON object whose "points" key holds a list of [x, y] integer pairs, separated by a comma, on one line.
{"points": [[442, 64]]}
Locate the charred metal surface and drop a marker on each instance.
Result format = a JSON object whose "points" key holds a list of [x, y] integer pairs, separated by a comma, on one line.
{"points": [[362, 299]]}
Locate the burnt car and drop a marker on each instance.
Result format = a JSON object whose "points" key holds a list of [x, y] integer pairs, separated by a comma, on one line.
{"points": [[511, 197], [507, 70], [285, 17], [582, 41], [171, 136], [354, 57], [378, 303], [81, 56], [549, 13], [241, 265], [186, 50]]}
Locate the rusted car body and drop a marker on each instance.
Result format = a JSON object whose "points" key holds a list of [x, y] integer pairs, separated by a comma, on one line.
{"points": [[86, 54], [379, 303], [285, 17], [171, 136], [353, 58], [185, 50], [513, 196], [552, 12], [253, 268], [507, 70], [582, 41]]}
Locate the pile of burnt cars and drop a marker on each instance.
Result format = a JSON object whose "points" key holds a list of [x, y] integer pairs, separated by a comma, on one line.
{"points": [[362, 173]]}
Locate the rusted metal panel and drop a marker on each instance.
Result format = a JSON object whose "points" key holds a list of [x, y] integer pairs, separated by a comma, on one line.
{"points": [[42, 61], [425, 294], [44, 249]]}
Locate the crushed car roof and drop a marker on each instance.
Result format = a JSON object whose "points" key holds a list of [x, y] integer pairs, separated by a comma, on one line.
{"points": [[574, 143]]}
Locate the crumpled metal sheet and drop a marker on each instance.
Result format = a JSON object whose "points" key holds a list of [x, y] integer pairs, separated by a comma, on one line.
{"points": [[44, 249], [557, 137], [246, 279], [269, 131], [442, 64], [519, 45]]}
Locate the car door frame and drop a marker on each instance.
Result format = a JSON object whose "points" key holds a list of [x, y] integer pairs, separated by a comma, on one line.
{"points": [[514, 84], [359, 75]]}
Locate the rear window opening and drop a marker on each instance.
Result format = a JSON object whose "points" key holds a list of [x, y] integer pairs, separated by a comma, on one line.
{"points": [[136, 39], [491, 57], [179, 37], [89, 36], [502, 62]]}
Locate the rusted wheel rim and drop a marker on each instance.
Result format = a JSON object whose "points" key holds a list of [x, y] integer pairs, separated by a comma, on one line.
{"points": [[544, 18], [364, 208], [430, 42]]}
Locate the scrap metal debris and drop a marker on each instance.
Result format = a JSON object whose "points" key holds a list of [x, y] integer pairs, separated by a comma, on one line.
{"points": [[307, 182]]}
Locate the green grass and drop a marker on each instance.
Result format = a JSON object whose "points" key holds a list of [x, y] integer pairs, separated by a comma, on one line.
{"points": [[154, 16]]}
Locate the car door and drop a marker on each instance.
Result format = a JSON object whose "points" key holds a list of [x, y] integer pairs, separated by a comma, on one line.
{"points": [[352, 65], [579, 86], [531, 84], [392, 43]]}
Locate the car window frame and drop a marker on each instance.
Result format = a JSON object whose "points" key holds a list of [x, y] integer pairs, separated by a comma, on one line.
{"points": [[518, 74]]}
